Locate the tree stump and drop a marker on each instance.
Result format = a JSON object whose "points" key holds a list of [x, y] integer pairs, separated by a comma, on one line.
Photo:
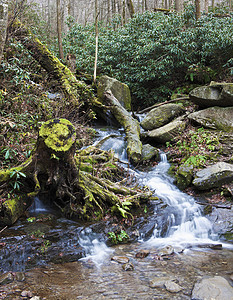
{"points": [[84, 184]]}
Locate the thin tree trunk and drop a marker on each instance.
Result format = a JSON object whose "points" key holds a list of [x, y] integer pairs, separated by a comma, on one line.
{"points": [[96, 39], [206, 6], [198, 9], [3, 25], [59, 30], [130, 8]]}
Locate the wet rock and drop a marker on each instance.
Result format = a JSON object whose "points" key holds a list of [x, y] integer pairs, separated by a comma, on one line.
{"points": [[158, 282], [231, 277], [161, 116], [149, 152], [35, 298], [6, 278], [120, 90], [172, 287], [213, 176], [26, 294], [218, 118], [142, 253], [167, 132], [120, 259], [20, 276], [216, 94], [216, 288], [184, 176], [168, 250], [128, 267]]}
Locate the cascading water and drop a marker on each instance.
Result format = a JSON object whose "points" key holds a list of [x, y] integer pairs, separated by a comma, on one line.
{"points": [[185, 224]]}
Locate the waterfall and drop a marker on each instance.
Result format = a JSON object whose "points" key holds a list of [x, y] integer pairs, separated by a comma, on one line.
{"points": [[185, 224]]}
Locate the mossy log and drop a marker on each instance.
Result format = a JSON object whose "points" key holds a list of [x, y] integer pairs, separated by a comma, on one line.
{"points": [[77, 92], [84, 184], [131, 126]]}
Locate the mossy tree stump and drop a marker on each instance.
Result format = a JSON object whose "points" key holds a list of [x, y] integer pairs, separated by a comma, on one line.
{"points": [[84, 184]]}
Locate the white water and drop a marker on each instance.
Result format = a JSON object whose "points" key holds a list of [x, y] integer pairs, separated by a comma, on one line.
{"points": [[187, 226]]}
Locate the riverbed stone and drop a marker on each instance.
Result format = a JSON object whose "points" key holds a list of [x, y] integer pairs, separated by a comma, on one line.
{"points": [[216, 288], [216, 94], [218, 118], [149, 152], [172, 287], [128, 267], [158, 282], [167, 132], [120, 90], [213, 176], [160, 116], [120, 259], [6, 278], [142, 254], [167, 250]]}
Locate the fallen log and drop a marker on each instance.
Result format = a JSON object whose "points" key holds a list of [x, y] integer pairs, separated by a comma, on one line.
{"points": [[82, 184], [76, 92], [131, 126]]}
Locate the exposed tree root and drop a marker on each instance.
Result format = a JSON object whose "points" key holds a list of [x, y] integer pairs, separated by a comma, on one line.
{"points": [[83, 184]]}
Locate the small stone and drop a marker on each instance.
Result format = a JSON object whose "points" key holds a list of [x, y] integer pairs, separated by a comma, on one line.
{"points": [[128, 267], [172, 287], [168, 250], [26, 294], [142, 254], [158, 282], [6, 278], [20, 276], [35, 298], [120, 259]]}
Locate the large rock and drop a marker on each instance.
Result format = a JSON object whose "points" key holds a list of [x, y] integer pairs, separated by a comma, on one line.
{"points": [[213, 176], [149, 152], [216, 94], [160, 116], [220, 118], [120, 91], [167, 132], [216, 288]]}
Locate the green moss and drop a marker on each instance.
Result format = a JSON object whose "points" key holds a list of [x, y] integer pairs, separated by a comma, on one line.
{"points": [[58, 134]]}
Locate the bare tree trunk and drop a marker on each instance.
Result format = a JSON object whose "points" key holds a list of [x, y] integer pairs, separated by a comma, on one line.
{"points": [[198, 9], [178, 5], [206, 6], [123, 13], [59, 30], [130, 7], [3, 25], [96, 39]]}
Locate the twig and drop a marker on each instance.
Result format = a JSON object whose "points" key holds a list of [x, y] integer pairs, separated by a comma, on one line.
{"points": [[3, 229], [160, 104]]}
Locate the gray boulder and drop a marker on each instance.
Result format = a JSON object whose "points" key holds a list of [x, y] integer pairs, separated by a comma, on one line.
{"points": [[216, 288], [160, 116], [149, 152], [167, 132], [120, 91], [220, 118], [216, 94], [213, 176]]}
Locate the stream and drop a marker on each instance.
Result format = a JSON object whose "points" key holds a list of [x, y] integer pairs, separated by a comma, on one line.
{"points": [[62, 259]]}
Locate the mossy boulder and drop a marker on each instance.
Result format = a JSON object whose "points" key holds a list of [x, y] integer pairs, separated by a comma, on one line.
{"points": [[120, 91], [219, 118], [214, 176], [167, 132], [149, 152], [216, 94], [160, 116], [184, 176]]}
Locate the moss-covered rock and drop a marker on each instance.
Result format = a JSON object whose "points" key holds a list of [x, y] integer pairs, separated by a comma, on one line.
{"points": [[213, 176], [160, 116], [219, 118], [184, 176], [120, 91]]}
